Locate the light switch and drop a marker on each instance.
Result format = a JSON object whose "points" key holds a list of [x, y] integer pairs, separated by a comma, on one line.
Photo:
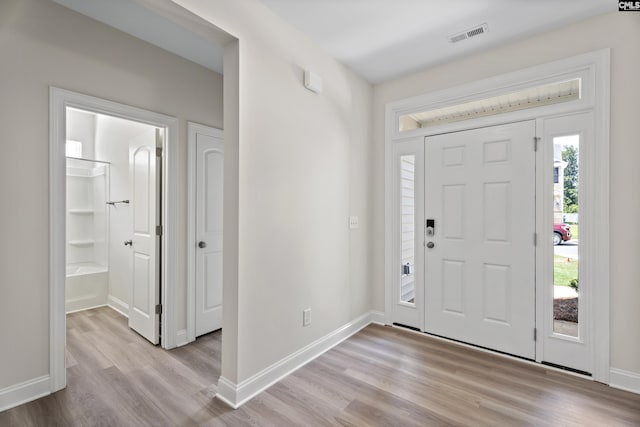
{"points": [[353, 222]]}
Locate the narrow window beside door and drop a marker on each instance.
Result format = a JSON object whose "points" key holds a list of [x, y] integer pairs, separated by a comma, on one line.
{"points": [[566, 236], [407, 227]]}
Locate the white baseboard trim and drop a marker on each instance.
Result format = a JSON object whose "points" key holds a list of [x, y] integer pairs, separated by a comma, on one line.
{"points": [[84, 309], [236, 395], [378, 317], [24, 392], [118, 305], [227, 392], [181, 338], [624, 380]]}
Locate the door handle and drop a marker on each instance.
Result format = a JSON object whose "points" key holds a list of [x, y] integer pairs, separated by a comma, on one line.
{"points": [[202, 244], [128, 242], [430, 245]]}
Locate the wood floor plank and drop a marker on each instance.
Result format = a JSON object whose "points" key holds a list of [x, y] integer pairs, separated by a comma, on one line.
{"points": [[381, 376]]}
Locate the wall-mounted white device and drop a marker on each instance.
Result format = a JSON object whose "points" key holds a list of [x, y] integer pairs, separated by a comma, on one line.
{"points": [[312, 81]]}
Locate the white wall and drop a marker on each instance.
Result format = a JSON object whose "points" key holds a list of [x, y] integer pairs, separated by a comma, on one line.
{"points": [[619, 31], [43, 44], [302, 166], [112, 145]]}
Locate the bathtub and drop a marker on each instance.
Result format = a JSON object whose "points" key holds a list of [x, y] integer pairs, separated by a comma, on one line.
{"points": [[84, 268], [86, 286]]}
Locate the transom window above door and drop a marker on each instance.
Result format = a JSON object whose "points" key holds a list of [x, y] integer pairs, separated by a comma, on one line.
{"points": [[537, 96]]}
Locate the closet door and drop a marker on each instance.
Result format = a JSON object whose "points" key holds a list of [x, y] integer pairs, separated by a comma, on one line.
{"points": [[209, 187]]}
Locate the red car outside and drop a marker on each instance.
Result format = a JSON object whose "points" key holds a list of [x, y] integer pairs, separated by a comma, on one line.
{"points": [[561, 233]]}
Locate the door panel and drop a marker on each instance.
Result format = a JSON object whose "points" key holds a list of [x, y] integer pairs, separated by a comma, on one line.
{"points": [[145, 294], [567, 332], [479, 277], [209, 191]]}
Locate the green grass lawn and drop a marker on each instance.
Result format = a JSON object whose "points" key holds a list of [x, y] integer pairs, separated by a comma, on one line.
{"points": [[564, 271]]}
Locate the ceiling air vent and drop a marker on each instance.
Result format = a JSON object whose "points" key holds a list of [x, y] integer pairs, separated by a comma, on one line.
{"points": [[473, 32]]}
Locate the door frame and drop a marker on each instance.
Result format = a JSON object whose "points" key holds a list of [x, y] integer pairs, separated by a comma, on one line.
{"points": [[59, 100], [192, 130], [594, 70]]}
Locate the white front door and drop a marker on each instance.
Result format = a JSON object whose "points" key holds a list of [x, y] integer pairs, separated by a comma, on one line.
{"points": [[480, 259], [144, 181], [209, 188]]}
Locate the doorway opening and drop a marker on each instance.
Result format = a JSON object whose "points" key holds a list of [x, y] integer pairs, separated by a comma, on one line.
{"points": [[113, 258], [470, 208], [113, 206], [113, 232]]}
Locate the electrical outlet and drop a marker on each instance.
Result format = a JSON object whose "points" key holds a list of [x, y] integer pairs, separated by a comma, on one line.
{"points": [[306, 317], [353, 222]]}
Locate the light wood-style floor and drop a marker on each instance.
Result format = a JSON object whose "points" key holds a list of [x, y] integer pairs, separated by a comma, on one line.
{"points": [[381, 376]]}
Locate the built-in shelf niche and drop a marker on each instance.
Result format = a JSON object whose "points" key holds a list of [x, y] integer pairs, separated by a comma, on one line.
{"points": [[87, 194]]}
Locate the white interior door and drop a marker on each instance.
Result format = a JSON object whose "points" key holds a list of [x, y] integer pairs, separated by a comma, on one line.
{"points": [[209, 188], [144, 179], [480, 276]]}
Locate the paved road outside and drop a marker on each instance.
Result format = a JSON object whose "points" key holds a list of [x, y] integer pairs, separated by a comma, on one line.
{"points": [[567, 249]]}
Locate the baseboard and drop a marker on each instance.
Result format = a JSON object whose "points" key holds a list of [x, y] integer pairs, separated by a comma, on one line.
{"points": [[83, 303], [227, 392], [236, 395], [24, 392], [624, 380], [378, 317], [181, 338], [85, 309], [118, 305]]}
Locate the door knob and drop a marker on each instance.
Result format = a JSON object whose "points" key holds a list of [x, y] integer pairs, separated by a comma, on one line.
{"points": [[430, 245], [128, 242], [202, 244]]}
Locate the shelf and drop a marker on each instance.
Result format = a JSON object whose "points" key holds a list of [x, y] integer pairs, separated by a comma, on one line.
{"points": [[81, 211], [81, 242]]}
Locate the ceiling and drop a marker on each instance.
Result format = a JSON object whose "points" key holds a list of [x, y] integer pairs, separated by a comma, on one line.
{"points": [[378, 39], [132, 17], [385, 39]]}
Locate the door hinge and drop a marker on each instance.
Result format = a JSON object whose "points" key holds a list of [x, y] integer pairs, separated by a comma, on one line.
{"points": [[158, 308], [158, 151], [158, 230], [535, 334], [536, 140]]}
